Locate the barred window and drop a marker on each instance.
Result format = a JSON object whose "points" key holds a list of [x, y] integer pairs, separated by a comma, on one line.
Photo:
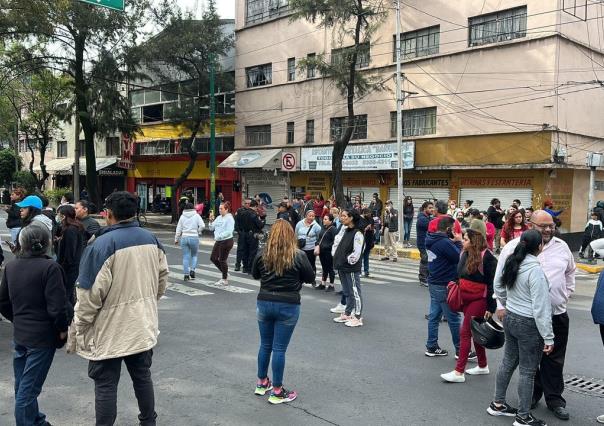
{"points": [[416, 122], [262, 10], [290, 132], [310, 69], [497, 27], [258, 135], [259, 75], [291, 69], [338, 125], [310, 131], [415, 44], [344, 54]]}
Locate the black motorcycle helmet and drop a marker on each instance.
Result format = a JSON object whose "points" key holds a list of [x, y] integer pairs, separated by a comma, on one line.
{"points": [[487, 333]]}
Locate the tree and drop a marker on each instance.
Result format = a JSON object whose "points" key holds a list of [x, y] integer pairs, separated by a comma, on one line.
{"points": [[9, 164], [188, 48], [84, 41], [353, 23]]}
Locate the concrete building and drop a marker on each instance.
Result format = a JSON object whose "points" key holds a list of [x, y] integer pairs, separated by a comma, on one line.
{"points": [[507, 103]]}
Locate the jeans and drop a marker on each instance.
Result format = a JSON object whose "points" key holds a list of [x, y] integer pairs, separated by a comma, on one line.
{"points": [[423, 265], [365, 257], [523, 347], [14, 234], [549, 380], [407, 228], [475, 308], [190, 246], [438, 307], [276, 322], [351, 289], [220, 254], [106, 376], [30, 367]]}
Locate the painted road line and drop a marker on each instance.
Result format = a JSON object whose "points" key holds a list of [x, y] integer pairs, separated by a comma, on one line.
{"points": [[186, 290], [218, 275]]}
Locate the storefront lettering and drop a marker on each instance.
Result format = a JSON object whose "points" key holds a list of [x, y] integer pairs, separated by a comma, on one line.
{"points": [[496, 182], [426, 183]]}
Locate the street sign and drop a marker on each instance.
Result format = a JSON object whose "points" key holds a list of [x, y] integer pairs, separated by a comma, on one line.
{"points": [[111, 4], [288, 161]]}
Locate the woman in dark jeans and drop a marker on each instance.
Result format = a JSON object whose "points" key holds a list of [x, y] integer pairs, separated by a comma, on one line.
{"points": [[323, 249], [408, 212], [282, 268], [527, 320], [32, 296], [70, 245], [223, 227]]}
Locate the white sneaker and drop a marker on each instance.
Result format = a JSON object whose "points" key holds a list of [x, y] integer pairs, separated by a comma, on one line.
{"points": [[477, 371], [452, 377], [220, 283], [339, 309], [354, 322]]}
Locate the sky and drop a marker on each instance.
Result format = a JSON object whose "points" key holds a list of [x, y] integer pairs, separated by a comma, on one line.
{"points": [[226, 8]]}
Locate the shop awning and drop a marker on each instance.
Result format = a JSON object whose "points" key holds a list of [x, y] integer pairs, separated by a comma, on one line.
{"points": [[63, 166], [268, 159]]}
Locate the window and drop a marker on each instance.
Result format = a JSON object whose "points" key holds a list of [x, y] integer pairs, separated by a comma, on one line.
{"points": [[338, 125], [416, 122], [61, 149], [258, 135], [415, 44], [262, 10], [310, 131], [291, 69], [156, 147], [112, 147], [260, 75], [345, 55], [221, 144], [153, 113], [290, 133], [497, 27], [310, 69]]}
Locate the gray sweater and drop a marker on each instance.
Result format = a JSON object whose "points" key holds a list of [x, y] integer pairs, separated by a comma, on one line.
{"points": [[529, 297]]}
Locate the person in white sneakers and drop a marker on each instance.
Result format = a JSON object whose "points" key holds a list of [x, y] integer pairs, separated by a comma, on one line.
{"points": [[189, 228], [347, 250]]}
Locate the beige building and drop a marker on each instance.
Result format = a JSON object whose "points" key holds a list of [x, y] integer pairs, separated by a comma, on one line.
{"points": [[506, 104]]}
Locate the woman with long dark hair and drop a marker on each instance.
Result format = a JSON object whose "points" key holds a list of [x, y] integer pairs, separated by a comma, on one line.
{"points": [[282, 268], [71, 239], [523, 290], [408, 213], [476, 270], [223, 227], [513, 227], [323, 250]]}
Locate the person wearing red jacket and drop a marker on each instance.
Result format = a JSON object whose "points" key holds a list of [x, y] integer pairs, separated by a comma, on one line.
{"points": [[441, 207]]}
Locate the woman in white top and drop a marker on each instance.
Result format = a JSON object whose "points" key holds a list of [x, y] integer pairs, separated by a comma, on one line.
{"points": [[307, 233], [189, 228], [223, 227]]}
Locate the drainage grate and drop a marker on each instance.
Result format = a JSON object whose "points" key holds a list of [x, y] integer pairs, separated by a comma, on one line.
{"points": [[585, 385]]}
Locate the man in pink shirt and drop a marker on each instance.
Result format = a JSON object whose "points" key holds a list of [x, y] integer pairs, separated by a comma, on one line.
{"points": [[559, 267]]}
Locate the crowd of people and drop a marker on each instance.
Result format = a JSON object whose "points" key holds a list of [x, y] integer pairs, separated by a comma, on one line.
{"points": [[71, 278]]}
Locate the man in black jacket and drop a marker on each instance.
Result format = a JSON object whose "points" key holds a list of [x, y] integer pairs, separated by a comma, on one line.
{"points": [[240, 243], [91, 226], [249, 225]]}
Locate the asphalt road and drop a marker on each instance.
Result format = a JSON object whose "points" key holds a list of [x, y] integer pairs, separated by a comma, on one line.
{"points": [[204, 366]]}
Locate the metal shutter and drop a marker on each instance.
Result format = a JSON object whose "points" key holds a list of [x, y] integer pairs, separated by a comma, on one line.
{"points": [[482, 196], [419, 195], [276, 192]]}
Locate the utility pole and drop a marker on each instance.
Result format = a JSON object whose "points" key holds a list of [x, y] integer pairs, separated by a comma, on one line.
{"points": [[76, 158], [212, 136], [594, 159], [399, 124]]}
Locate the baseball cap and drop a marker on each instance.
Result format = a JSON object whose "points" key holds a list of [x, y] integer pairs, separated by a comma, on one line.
{"points": [[31, 201]]}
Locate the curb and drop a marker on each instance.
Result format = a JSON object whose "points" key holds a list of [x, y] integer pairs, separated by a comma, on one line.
{"points": [[408, 253], [592, 269]]}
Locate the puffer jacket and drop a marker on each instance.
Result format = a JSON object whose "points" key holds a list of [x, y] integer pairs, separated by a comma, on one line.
{"points": [[190, 224], [597, 307], [123, 273], [14, 216]]}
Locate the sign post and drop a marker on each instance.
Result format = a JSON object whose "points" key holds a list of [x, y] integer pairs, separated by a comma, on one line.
{"points": [[110, 4]]}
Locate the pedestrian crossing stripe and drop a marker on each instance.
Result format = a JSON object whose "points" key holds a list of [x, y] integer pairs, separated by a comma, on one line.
{"points": [[186, 290], [205, 273]]}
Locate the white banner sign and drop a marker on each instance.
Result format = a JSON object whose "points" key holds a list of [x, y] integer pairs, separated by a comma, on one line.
{"points": [[381, 156]]}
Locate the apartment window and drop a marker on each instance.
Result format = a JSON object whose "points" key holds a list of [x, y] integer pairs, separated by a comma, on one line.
{"points": [[221, 144], [338, 125], [416, 122], [291, 69], [310, 131], [262, 10], [61, 149], [415, 44], [112, 147], [157, 147], [290, 133], [310, 69], [259, 75], [153, 113], [344, 55], [497, 27], [258, 135]]}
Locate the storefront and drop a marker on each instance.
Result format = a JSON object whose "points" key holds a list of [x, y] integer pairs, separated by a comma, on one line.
{"points": [[482, 190]]}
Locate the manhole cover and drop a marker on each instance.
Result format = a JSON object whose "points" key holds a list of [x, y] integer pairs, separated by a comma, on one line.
{"points": [[585, 385]]}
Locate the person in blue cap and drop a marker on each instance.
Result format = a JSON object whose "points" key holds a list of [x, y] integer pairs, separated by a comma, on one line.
{"points": [[31, 210]]}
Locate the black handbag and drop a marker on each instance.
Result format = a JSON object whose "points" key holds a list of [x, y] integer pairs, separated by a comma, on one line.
{"points": [[302, 241]]}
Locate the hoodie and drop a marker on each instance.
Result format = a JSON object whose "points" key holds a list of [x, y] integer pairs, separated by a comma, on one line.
{"points": [[443, 257], [190, 224], [529, 297], [45, 220]]}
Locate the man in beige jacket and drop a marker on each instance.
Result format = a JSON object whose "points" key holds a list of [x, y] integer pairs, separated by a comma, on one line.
{"points": [[123, 273]]}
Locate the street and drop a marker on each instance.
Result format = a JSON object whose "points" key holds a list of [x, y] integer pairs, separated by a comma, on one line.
{"points": [[204, 366]]}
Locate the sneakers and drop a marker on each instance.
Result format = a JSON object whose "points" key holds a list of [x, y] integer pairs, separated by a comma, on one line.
{"points": [[501, 410], [366, 274], [320, 287], [471, 356], [330, 289], [343, 318], [453, 377], [437, 351], [528, 420], [186, 278], [478, 371], [192, 275], [385, 258], [339, 309], [263, 389], [237, 268], [354, 322], [283, 396], [222, 283], [600, 419]]}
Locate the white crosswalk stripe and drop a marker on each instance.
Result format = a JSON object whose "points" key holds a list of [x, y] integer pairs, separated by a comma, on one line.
{"points": [[202, 272], [186, 290]]}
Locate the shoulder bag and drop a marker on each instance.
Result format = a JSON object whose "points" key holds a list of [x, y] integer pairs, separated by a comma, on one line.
{"points": [[318, 246], [302, 241]]}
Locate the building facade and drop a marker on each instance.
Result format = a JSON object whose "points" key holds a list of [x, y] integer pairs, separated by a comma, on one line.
{"points": [[504, 104]]}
